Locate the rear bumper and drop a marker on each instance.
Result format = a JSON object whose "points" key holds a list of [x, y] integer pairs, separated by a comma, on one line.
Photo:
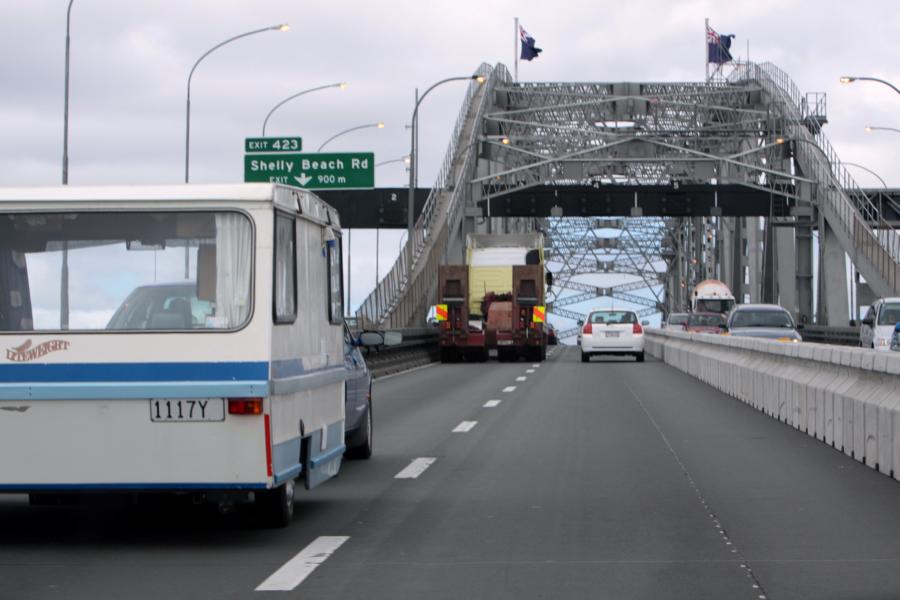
{"points": [[597, 345]]}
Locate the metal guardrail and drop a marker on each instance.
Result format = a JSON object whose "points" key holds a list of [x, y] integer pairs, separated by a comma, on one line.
{"points": [[419, 347], [822, 334]]}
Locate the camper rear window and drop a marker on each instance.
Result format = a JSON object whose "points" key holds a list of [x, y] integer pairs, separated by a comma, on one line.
{"points": [[154, 271]]}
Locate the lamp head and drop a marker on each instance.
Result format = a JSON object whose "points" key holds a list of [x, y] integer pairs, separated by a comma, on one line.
{"points": [[479, 78], [504, 140], [847, 79], [406, 160], [282, 27], [868, 129], [380, 125], [779, 140], [342, 85]]}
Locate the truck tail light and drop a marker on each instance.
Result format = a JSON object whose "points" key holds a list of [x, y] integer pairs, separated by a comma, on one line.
{"points": [[245, 406], [587, 328], [637, 329]]}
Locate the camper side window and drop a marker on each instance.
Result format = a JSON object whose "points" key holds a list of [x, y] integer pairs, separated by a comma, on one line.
{"points": [[335, 282], [285, 292]]}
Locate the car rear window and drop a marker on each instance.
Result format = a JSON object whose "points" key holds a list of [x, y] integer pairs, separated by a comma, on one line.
{"points": [[623, 317]]}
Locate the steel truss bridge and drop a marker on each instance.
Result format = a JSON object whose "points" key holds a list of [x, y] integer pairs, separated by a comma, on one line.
{"points": [[658, 184]]}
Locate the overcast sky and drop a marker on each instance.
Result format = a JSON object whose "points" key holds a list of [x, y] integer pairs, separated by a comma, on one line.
{"points": [[130, 62]]}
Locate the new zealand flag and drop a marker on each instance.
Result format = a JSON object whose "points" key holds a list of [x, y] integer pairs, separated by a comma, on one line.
{"points": [[718, 46], [529, 51]]}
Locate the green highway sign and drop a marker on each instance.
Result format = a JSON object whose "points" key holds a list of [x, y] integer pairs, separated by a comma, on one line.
{"points": [[273, 144], [321, 171]]}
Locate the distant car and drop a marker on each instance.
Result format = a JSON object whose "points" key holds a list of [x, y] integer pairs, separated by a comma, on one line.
{"points": [[358, 424], [676, 320], [878, 325], [609, 331], [552, 338], [702, 322], [763, 321], [895, 339]]}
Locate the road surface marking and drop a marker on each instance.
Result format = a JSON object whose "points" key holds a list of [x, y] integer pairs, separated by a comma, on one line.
{"points": [[509, 388], [298, 568], [415, 468], [491, 403], [529, 370], [535, 366], [522, 378], [465, 426]]}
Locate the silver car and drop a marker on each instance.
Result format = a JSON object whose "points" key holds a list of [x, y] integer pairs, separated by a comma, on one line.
{"points": [[878, 325], [763, 321]]}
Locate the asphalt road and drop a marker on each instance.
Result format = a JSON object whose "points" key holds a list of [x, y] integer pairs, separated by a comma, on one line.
{"points": [[604, 480]]}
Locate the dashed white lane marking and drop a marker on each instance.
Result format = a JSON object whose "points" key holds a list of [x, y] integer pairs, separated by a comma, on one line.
{"points": [[415, 468], [465, 426], [294, 571], [509, 388], [535, 365], [522, 378], [491, 403], [529, 370]]}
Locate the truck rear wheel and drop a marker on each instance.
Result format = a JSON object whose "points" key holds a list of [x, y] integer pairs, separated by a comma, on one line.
{"points": [[449, 355], [275, 507]]}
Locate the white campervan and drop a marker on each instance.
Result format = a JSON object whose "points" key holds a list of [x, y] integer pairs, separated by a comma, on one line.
{"points": [[175, 338]]}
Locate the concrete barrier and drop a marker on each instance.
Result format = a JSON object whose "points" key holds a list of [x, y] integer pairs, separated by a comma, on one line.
{"points": [[846, 397]]}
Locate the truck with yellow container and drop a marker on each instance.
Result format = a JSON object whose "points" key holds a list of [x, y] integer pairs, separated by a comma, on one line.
{"points": [[495, 301]]}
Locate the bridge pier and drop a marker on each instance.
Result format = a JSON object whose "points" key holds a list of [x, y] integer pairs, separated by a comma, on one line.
{"points": [[834, 305]]}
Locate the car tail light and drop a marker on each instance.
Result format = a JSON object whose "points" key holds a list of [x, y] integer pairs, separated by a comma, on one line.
{"points": [[637, 329], [245, 406], [587, 328]]}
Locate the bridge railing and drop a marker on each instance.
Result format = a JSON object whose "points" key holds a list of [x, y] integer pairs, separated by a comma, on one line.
{"points": [[879, 242], [384, 301]]}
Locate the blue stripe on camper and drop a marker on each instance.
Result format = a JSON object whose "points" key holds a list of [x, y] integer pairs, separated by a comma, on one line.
{"points": [[134, 372]]}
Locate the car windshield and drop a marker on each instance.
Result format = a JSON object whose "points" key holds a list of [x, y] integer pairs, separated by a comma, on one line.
{"points": [[890, 314], [678, 319], [716, 306], [134, 270], [762, 318], [697, 320], [610, 317]]}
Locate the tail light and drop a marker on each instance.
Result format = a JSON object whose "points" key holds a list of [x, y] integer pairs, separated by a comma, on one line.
{"points": [[587, 328], [637, 329], [245, 406]]}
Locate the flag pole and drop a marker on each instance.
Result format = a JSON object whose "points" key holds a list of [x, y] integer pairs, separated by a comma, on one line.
{"points": [[516, 49], [706, 47]]}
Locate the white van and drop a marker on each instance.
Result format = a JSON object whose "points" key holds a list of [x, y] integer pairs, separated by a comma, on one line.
{"points": [[170, 338]]}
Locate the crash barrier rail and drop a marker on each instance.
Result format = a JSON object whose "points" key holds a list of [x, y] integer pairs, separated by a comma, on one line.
{"points": [[848, 398], [419, 347], [822, 334]]}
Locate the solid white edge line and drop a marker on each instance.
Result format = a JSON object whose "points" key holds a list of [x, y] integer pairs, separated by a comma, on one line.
{"points": [[465, 427], [509, 388], [415, 468], [294, 571], [491, 403]]}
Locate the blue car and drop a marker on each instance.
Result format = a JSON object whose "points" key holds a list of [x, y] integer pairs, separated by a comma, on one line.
{"points": [[357, 400], [895, 339]]}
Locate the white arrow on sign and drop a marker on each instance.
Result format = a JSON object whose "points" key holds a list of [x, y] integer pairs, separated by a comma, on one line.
{"points": [[303, 179]]}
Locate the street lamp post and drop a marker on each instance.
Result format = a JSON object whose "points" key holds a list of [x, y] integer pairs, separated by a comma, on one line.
{"points": [[342, 86], [852, 78], [871, 128], [65, 159], [413, 164], [64, 270], [867, 170], [187, 121], [337, 135]]}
